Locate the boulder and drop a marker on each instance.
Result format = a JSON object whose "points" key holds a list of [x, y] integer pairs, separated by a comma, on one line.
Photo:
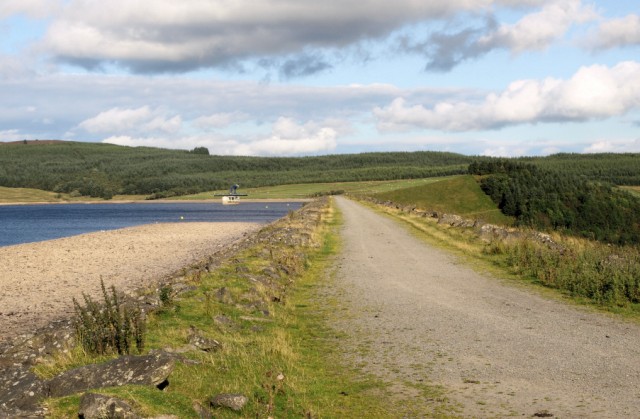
{"points": [[142, 370], [201, 411], [205, 344], [234, 402], [98, 406], [20, 389], [450, 219]]}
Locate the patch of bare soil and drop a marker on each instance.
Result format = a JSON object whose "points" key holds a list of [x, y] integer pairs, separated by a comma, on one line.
{"points": [[417, 316], [39, 280]]}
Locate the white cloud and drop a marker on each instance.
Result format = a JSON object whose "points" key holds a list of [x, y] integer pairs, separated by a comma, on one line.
{"points": [[593, 92], [538, 30], [220, 120], [143, 119], [12, 67], [32, 8], [116, 120], [287, 138], [614, 146], [173, 36], [616, 33], [11, 135], [290, 138], [505, 151]]}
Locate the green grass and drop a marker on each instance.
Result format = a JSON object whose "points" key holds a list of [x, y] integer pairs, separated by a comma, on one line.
{"points": [[306, 190], [459, 195], [10, 195]]}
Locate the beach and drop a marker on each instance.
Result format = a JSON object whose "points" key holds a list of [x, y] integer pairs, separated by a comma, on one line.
{"points": [[39, 280]]}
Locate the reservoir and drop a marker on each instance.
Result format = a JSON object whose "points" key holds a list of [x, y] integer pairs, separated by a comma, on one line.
{"points": [[32, 223]]}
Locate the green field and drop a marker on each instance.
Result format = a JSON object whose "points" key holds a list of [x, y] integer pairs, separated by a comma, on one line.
{"points": [[10, 195], [459, 195], [27, 195], [306, 190]]}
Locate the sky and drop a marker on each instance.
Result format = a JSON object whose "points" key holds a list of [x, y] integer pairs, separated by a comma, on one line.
{"points": [[307, 77]]}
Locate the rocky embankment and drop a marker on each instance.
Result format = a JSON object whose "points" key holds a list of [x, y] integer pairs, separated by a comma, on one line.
{"points": [[22, 391], [485, 230]]}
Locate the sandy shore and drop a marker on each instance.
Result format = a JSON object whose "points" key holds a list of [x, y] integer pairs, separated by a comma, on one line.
{"points": [[38, 280]]}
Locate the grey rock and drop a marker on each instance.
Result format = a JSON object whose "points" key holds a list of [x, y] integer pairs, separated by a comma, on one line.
{"points": [[142, 370], [231, 401], [20, 389], [98, 406], [203, 412], [203, 343], [223, 295], [223, 320], [450, 219]]}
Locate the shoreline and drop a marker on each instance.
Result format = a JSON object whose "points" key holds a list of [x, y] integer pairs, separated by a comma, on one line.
{"points": [[38, 281], [158, 201]]}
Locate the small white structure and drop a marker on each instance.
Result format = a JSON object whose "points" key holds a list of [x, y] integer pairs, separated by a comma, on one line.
{"points": [[230, 200], [233, 197]]}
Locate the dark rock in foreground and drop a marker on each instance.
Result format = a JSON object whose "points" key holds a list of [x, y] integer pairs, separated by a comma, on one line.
{"points": [[142, 370]]}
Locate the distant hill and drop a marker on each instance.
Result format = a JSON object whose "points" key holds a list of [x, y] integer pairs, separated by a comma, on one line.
{"points": [[103, 170], [31, 142]]}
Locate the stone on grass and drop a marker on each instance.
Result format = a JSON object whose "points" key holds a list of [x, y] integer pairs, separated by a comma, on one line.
{"points": [[142, 370], [98, 406], [231, 401], [203, 343]]}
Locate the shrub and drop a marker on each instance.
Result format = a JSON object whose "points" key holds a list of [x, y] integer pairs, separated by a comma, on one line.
{"points": [[112, 325]]}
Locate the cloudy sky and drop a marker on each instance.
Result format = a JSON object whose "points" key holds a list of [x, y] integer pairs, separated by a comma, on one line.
{"points": [[309, 77]]}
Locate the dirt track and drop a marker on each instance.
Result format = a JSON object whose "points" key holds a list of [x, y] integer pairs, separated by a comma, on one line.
{"points": [[418, 316]]}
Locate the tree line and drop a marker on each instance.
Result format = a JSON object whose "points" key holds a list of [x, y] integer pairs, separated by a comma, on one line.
{"points": [[560, 200]]}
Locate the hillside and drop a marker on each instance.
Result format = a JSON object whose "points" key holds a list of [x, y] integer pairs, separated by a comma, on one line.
{"points": [[103, 170], [459, 195]]}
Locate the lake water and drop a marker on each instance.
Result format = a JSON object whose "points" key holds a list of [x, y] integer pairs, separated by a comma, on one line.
{"points": [[32, 223]]}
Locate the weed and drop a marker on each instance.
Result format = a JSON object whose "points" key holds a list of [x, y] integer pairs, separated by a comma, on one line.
{"points": [[166, 297], [109, 326]]}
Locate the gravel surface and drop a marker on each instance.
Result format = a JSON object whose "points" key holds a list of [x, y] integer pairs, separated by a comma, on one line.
{"points": [[38, 280], [418, 316]]}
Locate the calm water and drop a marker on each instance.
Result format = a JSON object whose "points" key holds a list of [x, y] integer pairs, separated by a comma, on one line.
{"points": [[31, 223]]}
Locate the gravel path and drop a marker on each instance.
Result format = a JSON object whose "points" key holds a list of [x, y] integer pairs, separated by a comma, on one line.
{"points": [[419, 316], [38, 280]]}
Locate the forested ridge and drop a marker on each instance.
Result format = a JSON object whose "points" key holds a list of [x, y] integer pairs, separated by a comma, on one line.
{"points": [[617, 169], [103, 170], [561, 200]]}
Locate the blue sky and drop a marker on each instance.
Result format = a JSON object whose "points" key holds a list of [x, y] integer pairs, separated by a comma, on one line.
{"points": [[298, 77]]}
